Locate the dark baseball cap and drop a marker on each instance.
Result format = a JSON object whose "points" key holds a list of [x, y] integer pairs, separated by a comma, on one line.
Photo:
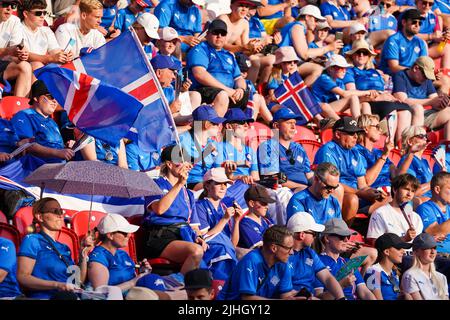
{"points": [[347, 124], [391, 240], [412, 14], [257, 192], [38, 89], [217, 24], [236, 114], [243, 61], [424, 241], [197, 279], [206, 112]]}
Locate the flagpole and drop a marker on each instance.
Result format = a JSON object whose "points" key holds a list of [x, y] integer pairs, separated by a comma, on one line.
{"points": [[152, 72]]}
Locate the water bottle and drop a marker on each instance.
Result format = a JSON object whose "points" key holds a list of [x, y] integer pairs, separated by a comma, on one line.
{"points": [[389, 85]]}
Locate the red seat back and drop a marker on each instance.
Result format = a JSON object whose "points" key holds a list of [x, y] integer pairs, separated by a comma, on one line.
{"points": [[311, 148], [138, 236], [131, 248], [395, 156], [326, 135], [3, 217], [217, 285], [380, 143], [258, 133], [357, 237], [23, 219], [428, 154], [435, 137], [69, 238], [79, 222], [10, 105], [304, 133], [10, 232]]}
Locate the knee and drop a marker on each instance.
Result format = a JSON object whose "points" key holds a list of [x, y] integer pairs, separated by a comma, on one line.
{"points": [[222, 98], [255, 61], [196, 252], [24, 67]]}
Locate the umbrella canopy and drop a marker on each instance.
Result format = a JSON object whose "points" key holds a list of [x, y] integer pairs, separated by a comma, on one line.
{"points": [[93, 178]]}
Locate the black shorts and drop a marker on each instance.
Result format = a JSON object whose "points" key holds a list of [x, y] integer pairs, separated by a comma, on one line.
{"points": [[209, 94], [383, 108], [3, 65], [158, 238]]}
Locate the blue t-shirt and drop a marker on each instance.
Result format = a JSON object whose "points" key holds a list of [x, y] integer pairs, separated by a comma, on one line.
{"points": [[209, 217], [430, 23], [251, 232], [321, 209], [336, 12], [29, 123], [277, 14], [246, 158], [321, 89], [314, 45], [334, 266], [186, 20], [120, 265], [9, 287], [398, 47], [274, 84], [256, 28], [349, 162], [125, 18], [48, 265], [382, 22], [221, 64], [364, 79], [377, 278], [181, 210], [304, 265], [139, 160], [431, 213], [369, 158], [252, 276], [108, 16], [286, 34], [419, 168], [274, 157], [8, 137], [402, 83]]}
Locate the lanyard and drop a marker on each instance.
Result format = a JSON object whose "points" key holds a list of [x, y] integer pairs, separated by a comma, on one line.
{"points": [[188, 203]]}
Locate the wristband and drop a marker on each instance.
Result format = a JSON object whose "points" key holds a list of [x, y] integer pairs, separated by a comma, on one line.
{"points": [[384, 159]]}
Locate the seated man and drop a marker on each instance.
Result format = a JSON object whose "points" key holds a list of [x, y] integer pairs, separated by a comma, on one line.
{"points": [[215, 73], [85, 33], [318, 199], [36, 122], [342, 153], [9, 287], [13, 54]]}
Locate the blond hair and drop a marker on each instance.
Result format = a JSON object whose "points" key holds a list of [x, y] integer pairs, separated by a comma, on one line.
{"points": [[364, 121], [442, 293], [88, 6], [409, 133]]}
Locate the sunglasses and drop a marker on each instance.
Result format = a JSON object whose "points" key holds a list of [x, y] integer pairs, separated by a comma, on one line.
{"points": [[416, 22], [427, 3], [39, 13], [8, 4], [289, 249], [341, 238], [314, 234], [349, 133], [221, 33], [49, 97], [377, 126], [289, 153], [326, 185], [387, 5], [57, 211], [420, 136], [361, 53]]}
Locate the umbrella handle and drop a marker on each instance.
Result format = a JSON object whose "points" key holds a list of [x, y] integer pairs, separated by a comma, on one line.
{"points": [[42, 190], [90, 211]]}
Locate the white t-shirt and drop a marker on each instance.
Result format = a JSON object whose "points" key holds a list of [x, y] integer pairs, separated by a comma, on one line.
{"points": [[42, 41], [66, 31], [416, 280], [387, 219], [10, 32]]}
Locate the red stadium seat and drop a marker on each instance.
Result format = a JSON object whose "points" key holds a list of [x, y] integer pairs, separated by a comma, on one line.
{"points": [[131, 248], [23, 219], [69, 238], [258, 133], [395, 156], [304, 133], [3, 217], [326, 135], [79, 222], [311, 147], [10, 105], [357, 237], [428, 154], [10, 232], [217, 285], [380, 143], [435, 137]]}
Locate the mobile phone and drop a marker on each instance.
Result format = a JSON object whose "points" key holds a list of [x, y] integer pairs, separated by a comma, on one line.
{"points": [[21, 45], [185, 73], [108, 35], [339, 35]]}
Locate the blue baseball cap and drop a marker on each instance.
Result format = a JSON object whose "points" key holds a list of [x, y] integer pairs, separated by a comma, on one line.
{"points": [[164, 62], [236, 114], [207, 112], [285, 114], [152, 281]]}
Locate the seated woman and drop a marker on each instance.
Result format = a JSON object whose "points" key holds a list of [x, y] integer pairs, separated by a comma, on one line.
{"points": [[108, 263], [168, 216], [219, 218], [364, 76], [9, 287], [383, 278], [414, 142], [44, 264], [422, 281]]}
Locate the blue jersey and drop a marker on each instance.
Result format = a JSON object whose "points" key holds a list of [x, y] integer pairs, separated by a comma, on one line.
{"points": [[9, 287], [107, 153], [274, 83], [410, 3], [334, 266], [443, 5], [304, 265], [198, 171], [377, 278], [382, 22], [419, 168], [321, 89], [8, 136], [321, 209], [29, 123], [314, 45], [125, 19], [277, 14], [180, 211], [286, 34], [209, 217], [246, 157], [48, 265], [364, 79], [369, 158], [256, 28], [252, 276], [402, 83], [186, 20], [120, 265], [139, 160], [251, 232], [398, 47], [336, 12], [430, 24], [349, 162], [430, 213], [221, 64], [108, 16], [293, 162]]}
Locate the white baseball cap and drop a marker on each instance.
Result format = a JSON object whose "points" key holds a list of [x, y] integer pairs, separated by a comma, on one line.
{"points": [[357, 27], [150, 23], [115, 222], [216, 175], [337, 60], [303, 221], [168, 34], [199, 2], [311, 10]]}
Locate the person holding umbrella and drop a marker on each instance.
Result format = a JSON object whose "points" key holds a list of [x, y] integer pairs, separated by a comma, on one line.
{"points": [[169, 216]]}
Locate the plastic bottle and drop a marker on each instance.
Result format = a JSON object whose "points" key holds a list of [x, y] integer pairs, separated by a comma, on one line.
{"points": [[442, 44], [389, 85]]}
